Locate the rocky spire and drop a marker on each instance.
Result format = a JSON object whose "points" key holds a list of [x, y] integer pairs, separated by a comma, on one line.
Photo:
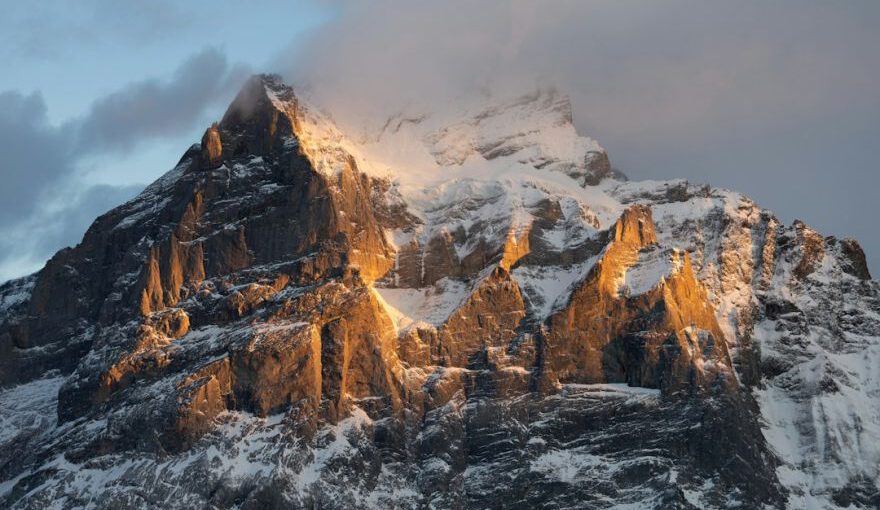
{"points": [[212, 148]]}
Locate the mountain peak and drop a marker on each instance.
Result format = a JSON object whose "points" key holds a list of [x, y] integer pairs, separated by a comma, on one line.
{"points": [[527, 131], [261, 119], [258, 95], [297, 317], [500, 134]]}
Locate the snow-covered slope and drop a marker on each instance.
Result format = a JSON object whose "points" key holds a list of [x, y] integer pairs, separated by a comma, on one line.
{"points": [[804, 305]]}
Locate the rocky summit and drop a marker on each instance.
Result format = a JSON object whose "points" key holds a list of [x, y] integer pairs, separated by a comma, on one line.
{"points": [[466, 309]]}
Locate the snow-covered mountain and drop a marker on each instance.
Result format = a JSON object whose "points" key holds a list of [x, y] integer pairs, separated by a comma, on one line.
{"points": [[465, 309]]}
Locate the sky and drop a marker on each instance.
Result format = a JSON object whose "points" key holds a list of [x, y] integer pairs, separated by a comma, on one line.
{"points": [[775, 98]]}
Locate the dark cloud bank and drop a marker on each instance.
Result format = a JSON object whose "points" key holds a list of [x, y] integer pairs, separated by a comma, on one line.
{"points": [[44, 204], [775, 99]]}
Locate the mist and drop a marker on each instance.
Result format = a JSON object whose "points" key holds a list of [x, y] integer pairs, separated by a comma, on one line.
{"points": [[774, 99]]}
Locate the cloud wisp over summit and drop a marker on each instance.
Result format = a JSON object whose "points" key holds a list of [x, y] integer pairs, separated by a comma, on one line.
{"points": [[777, 100]]}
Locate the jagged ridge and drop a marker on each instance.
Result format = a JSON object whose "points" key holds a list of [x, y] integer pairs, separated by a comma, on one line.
{"points": [[292, 318]]}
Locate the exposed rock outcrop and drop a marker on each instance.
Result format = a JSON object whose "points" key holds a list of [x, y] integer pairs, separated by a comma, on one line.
{"points": [[212, 148], [665, 335]]}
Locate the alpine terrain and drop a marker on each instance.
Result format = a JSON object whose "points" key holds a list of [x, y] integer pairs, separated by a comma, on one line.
{"points": [[466, 309]]}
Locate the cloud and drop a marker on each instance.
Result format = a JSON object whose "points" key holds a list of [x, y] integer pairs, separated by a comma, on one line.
{"points": [[159, 109], [45, 201], [29, 242], [775, 99], [640, 65], [34, 155]]}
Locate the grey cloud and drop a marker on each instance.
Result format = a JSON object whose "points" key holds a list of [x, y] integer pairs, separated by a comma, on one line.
{"points": [[35, 154], [776, 99], [640, 65], [157, 109], [27, 244]]}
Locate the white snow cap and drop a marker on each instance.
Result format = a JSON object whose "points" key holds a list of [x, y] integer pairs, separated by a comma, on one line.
{"points": [[486, 139]]}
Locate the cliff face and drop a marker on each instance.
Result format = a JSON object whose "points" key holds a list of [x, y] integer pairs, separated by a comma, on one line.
{"points": [[485, 317]]}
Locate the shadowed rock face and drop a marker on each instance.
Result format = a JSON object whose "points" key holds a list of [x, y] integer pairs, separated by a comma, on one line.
{"points": [[269, 326]]}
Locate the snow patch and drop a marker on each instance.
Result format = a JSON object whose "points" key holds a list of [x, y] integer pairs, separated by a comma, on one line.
{"points": [[547, 287], [430, 306], [564, 465], [16, 292], [28, 407], [652, 267]]}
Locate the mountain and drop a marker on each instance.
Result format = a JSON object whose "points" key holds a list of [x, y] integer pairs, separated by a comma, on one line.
{"points": [[469, 309]]}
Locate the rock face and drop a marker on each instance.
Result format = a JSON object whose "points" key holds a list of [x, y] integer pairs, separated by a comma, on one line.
{"points": [[449, 313], [660, 335]]}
